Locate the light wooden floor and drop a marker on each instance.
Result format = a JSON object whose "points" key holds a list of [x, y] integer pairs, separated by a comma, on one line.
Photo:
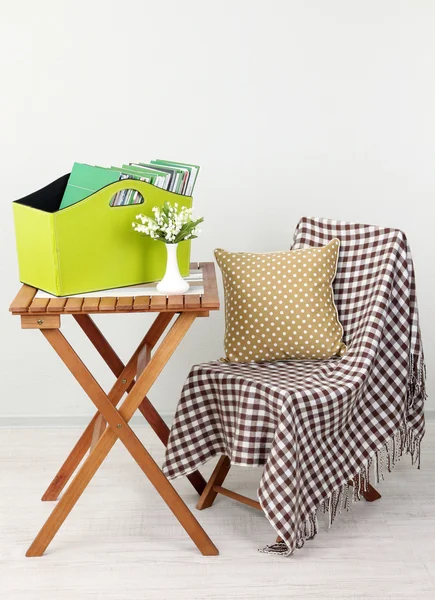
{"points": [[121, 542]]}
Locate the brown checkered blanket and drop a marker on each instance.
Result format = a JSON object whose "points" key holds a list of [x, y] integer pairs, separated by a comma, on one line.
{"points": [[319, 427]]}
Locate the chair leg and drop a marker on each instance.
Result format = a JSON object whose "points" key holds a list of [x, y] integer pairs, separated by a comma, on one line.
{"points": [[217, 478], [370, 494]]}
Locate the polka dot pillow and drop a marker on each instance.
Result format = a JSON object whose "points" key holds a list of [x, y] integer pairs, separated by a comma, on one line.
{"points": [[280, 306]]}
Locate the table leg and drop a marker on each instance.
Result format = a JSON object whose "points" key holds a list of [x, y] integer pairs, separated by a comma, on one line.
{"points": [[77, 454], [119, 429], [96, 427], [115, 364], [99, 429], [158, 425], [162, 431]]}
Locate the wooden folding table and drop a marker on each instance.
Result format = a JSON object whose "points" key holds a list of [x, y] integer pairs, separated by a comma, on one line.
{"points": [[134, 379]]}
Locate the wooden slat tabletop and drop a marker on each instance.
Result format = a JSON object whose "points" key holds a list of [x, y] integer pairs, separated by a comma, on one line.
{"points": [[91, 305], [141, 303], [56, 304], [193, 302], [210, 298], [73, 305], [125, 304], [38, 305], [25, 301], [107, 304], [158, 302], [176, 302]]}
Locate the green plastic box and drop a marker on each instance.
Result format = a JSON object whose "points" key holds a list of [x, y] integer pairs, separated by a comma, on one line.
{"points": [[90, 245]]}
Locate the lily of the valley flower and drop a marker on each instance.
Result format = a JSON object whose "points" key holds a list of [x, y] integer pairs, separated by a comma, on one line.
{"points": [[170, 224]]}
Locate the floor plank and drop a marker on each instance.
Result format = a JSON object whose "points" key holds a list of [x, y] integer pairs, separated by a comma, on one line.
{"points": [[121, 542]]}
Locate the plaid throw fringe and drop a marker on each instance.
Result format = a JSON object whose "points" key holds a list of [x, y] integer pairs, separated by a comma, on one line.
{"points": [[405, 441], [320, 429]]}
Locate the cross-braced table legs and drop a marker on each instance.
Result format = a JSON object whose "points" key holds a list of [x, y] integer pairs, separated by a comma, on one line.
{"points": [[126, 375], [119, 428]]}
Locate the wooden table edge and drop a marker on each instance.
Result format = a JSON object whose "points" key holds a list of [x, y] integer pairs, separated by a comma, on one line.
{"points": [[209, 299]]}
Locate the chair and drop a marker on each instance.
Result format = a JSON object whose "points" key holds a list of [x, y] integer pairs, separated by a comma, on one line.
{"points": [[318, 427]]}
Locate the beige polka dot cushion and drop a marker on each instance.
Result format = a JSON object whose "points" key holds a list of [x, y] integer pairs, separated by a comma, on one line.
{"points": [[280, 305]]}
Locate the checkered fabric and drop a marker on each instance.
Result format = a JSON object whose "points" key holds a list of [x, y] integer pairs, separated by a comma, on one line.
{"points": [[318, 425]]}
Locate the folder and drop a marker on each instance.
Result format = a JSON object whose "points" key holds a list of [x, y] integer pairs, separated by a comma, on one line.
{"points": [[193, 172], [84, 181]]}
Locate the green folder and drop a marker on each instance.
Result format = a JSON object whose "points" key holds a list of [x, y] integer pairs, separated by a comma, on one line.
{"points": [[85, 180]]}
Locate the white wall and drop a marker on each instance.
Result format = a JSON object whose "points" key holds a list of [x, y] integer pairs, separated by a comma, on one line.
{"points": [[291, 107]]}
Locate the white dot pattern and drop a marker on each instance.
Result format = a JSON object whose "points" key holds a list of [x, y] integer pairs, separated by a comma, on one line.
{"points": [[280, 305]]}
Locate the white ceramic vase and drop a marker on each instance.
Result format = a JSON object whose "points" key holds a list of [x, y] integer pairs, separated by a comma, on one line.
{"points": [[172, 283]]}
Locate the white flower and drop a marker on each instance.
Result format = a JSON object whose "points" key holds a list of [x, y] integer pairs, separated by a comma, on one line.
{"points": [[170, 224]]}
